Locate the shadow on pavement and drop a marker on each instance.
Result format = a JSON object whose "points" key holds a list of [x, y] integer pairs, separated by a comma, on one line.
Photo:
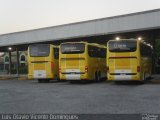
{"points": [[152, 80]]}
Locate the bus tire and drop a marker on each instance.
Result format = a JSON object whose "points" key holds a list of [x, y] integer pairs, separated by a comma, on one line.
{"points": [[47, 81], [40, 80]]}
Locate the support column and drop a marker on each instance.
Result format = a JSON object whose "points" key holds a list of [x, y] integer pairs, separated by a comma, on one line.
{"points": [[10, 62], [17, 65], [153, 36]]}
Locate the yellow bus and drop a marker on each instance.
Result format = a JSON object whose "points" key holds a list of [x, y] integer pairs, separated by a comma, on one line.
{"points": [[43, 62], [82, 61], [128, 59]]}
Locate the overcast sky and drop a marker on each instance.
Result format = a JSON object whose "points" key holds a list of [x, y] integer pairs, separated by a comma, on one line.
{"points": [[20, 15]]}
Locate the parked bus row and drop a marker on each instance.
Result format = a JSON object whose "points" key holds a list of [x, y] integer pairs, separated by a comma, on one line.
{"points": [[119, 60]]}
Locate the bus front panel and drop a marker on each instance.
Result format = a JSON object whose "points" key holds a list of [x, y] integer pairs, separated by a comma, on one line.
{"points": [[122, 60], [40, 64], [73, 61]]}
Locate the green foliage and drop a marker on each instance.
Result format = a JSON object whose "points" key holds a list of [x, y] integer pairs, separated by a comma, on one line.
{"points": [[157, 47]]}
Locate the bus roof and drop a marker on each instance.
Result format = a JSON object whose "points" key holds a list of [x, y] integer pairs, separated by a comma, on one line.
{"points": [[95, 44], [57, 46]]}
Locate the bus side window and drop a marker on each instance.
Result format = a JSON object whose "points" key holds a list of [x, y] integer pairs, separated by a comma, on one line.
{"points": [[56, 53]]}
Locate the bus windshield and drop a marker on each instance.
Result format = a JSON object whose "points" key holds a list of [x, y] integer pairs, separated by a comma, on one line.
{"points": [[122, 46], [41, 50], [72, 48]]}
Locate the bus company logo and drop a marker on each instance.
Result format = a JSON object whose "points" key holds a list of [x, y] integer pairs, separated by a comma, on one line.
{"points": [[70, 48], [149, 117]]}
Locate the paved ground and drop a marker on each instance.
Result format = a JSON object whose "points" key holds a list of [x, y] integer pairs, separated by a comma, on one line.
{"points": [[22, 96]]}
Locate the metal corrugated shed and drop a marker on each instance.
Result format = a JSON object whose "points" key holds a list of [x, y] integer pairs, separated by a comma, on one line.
{"points": [[117, 24]]}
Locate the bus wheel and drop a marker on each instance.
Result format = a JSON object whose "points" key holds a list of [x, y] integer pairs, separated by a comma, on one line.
{"points": [[47, 81], [40, 80]]}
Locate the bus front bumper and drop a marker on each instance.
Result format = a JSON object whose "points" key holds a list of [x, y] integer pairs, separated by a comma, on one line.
{"points": [[74, 77], [124, 77], [31, 76]]}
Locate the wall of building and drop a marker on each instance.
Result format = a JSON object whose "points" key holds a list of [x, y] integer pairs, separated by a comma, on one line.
{"points": [[4, 60]]}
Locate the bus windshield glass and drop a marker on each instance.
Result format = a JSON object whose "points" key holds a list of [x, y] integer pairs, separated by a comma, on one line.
{"points": [[122, 46], [41, 50], [72, 48]]}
